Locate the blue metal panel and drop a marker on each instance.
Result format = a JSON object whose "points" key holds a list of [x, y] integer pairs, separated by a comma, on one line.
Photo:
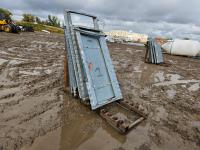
{"points": [[100, 85], [97, 68], [110, 67], [90, 66]]}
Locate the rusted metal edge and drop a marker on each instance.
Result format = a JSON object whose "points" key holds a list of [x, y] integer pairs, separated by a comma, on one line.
{"points": [[66, 74], [133, 107], [119, 124]]}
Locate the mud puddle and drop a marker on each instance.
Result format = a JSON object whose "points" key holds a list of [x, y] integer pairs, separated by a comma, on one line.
{"points": [[194, 87], [85, 130], [171, 79], [34, 114]]}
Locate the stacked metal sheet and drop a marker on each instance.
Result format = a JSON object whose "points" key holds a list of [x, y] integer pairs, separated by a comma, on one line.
{"points": [[91, 72], [154, 53]]}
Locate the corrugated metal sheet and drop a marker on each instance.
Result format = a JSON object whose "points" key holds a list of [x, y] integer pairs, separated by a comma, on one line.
{"points": [[154, 52]]}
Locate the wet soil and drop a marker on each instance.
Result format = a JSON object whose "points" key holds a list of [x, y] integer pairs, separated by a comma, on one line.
{"points": [[35, 112]]}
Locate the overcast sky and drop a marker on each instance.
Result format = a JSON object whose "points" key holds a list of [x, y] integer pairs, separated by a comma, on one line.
{"points": [[172, 18]]}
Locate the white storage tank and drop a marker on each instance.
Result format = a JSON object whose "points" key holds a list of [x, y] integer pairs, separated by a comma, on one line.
{"points": [[182, 47]]}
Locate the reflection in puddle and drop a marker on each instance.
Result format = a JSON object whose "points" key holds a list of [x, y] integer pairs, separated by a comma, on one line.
{"points": [[137, 137], [100, 140], [85, 130]]}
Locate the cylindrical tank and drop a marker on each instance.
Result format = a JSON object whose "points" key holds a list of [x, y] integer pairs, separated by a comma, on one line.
{"points": [[182, 47]]}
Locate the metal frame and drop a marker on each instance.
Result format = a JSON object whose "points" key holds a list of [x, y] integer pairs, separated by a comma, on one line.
{"points": [[77, 83], [95, 20], [81, 81], [110, 68]]}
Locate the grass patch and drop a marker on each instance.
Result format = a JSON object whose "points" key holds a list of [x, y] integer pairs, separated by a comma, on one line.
{"points": [[40, 27]]}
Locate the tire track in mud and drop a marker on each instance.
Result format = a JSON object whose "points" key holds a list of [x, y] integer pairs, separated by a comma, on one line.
{"points": [[139, 86], [35, 109], [34, 68]]}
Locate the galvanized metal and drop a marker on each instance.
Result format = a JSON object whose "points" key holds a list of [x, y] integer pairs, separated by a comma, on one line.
{"points": [[154, 52], [91, 71], [92, 75]]}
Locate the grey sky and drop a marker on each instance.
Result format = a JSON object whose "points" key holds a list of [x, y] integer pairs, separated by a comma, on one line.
{"points": [[175, 18]]}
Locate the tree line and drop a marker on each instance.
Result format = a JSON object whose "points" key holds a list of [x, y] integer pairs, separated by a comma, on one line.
{"points": [[6, 13], [51, 21], [27, 17]]}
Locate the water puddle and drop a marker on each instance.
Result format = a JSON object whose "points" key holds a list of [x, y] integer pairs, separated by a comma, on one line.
{"points": [[2, 61], [171, 79], [167, 83], [34, 73], [171, 93], [15, 62], [159, 77], [194, 87], [85, 130]]}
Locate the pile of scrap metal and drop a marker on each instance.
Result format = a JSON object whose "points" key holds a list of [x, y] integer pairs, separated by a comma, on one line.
{"points": [[91, 74], [154, 53]]}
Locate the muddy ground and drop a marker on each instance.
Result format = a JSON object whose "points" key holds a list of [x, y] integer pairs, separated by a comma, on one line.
{"points": [[36, 114]]}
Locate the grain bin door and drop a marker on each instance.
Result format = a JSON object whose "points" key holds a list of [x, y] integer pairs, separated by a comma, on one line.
{"points": [[98, 71]]}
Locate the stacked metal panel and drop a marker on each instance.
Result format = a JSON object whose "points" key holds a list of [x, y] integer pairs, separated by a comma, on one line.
{"points": [[154, 53], [91, 72]]}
